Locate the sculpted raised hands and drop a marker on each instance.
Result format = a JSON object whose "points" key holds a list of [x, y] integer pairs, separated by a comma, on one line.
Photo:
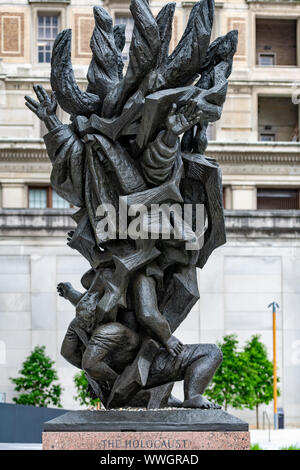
{"points": [[46, 105], [45, 108], [187, 116]]}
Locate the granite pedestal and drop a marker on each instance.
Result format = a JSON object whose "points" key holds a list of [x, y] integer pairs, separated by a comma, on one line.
{"points": [[148, 430]]}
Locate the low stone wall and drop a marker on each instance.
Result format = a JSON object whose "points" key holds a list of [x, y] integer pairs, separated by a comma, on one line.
{"points": [[246, 223]]}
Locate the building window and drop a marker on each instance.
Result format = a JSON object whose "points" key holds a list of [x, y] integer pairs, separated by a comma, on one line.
{"points": [[58, 202], [267, 137], [277, 119], [128, 21], [47, 32], [38, 198], [270, 199], [266, 60], [276, 42], [45, 198]]}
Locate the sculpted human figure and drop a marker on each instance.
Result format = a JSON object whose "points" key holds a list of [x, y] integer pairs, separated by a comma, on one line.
{"points": [[105, 350], [138, 141]]}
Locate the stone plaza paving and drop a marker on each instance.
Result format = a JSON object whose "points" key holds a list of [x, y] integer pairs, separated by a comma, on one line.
{"points": [[19, 446], [279, 439]]}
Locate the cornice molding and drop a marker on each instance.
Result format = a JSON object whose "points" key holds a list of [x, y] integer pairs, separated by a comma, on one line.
{"points": [[19, 154], [22, 151], [280, 2], [254, 157]]}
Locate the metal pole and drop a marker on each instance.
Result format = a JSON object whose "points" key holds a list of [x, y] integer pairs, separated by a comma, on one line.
{"points": [[275, 369], [265, 414], [274, 305]]}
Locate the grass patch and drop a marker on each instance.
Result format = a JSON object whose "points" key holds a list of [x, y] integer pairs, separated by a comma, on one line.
{"points": [[292, 447], [255, 447]]}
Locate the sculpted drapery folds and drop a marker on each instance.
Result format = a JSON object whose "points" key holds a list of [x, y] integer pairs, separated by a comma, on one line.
{"points": [[138, 138]]}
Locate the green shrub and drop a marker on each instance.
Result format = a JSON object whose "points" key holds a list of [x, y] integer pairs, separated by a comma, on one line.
{"points": [[255, 447], [231, 385], [37, 381], [245, 377], [260, 370], [83, 394]]}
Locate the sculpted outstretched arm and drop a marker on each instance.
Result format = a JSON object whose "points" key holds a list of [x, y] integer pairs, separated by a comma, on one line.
{"points": [[66, 290], [158, 158], [64, 148]]}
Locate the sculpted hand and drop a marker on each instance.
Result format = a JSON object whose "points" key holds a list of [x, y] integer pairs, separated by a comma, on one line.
{"points": [[187, 116], [70, 236], [63, 289], [174, 346], [45, 107]]}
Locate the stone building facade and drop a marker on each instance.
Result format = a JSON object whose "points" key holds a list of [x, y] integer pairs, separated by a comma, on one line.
{"points": [[256, 143]]}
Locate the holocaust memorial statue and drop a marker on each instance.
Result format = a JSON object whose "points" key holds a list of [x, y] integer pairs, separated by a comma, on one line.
{"points": [[132, 158]]}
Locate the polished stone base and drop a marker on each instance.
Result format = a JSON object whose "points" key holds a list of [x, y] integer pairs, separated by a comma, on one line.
{"points": [[164, 429], [147, 440], [165, 419]]}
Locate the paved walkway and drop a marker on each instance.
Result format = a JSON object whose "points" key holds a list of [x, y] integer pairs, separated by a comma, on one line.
{"points": [[278, 439], [17, 446]]}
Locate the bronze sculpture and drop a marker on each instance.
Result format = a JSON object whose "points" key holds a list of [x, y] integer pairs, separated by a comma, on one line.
{"points": [[123, 149]]}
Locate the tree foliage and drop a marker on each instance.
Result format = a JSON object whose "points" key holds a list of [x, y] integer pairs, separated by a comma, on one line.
{"points": [[231, 385], [261, 370], [82, 388], [36, 381], [245, 377]]}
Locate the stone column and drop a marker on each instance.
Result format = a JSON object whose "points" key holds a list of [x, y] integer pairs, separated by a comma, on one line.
{"points": [[244, 197], [13, 196], [228, 197]]}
